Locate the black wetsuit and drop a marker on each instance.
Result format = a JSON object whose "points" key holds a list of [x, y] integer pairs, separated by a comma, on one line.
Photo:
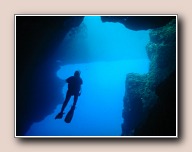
{"points": [[74, 86]]}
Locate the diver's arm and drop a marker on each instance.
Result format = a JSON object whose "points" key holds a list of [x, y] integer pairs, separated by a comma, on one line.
{"points": [[81, 86], [80, 90], [67, 80]]}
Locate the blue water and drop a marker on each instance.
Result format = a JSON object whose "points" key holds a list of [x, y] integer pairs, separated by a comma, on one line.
{"points": [[115, 51]]}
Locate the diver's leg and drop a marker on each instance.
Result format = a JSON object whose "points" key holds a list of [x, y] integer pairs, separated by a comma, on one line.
{"points": [[67, 98]]}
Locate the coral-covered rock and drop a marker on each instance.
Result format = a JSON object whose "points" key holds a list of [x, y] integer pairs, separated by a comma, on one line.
{"points": [[141, 89], [161, 120], [133, 102]]}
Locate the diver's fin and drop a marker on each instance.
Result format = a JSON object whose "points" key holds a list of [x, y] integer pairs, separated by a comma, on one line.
{"points": [[59, 115], [69, 115]]}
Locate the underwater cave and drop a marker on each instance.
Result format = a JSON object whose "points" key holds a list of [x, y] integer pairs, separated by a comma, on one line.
{"points": [[110, 56]]}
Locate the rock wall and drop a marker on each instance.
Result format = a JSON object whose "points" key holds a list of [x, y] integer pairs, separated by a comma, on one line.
{"points": [[147, 106], [139, 22], [37, 86]]}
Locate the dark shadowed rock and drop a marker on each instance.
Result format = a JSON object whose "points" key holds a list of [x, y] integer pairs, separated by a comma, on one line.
{"points": [[139, 22], [161, 120], [37, 86]]}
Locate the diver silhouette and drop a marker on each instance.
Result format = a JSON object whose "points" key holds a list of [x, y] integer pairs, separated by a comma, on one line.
{"points": [[74, 89]]}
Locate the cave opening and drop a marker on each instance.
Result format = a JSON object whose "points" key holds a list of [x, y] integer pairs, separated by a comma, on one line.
{"points": [[104, 53]]}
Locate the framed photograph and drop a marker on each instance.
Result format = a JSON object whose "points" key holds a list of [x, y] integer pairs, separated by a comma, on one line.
{"points": [[96, 76]]}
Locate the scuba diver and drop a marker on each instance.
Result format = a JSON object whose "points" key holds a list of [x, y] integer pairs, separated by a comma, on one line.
{"points": [[74, 89]]}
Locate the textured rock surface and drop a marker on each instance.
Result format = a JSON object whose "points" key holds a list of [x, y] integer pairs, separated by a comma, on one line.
{"points": [[139, 22], [142, 89], [161, 120]]}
